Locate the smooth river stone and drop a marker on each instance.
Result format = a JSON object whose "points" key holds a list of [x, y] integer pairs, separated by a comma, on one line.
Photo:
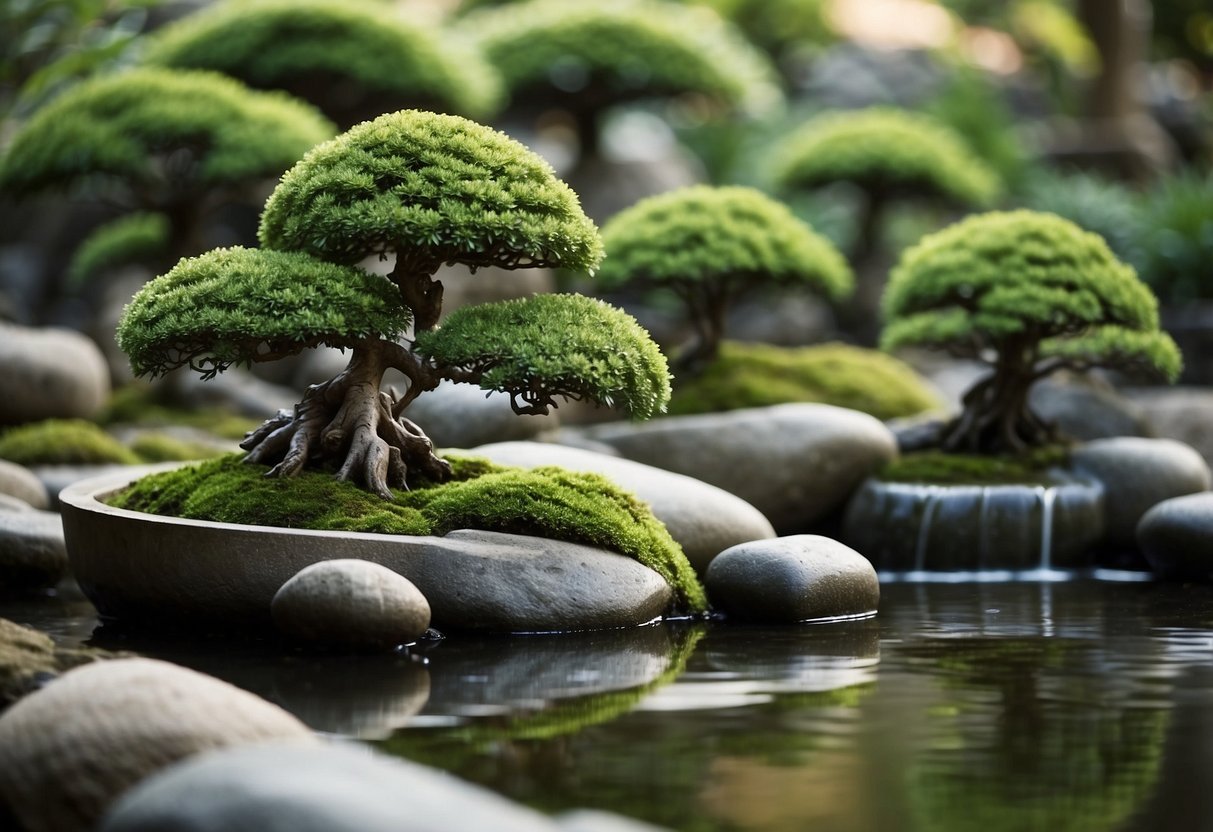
{"points": [[1176, 537]]}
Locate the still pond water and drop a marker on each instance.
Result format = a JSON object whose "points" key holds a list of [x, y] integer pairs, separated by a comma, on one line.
{"points": [[1081, 705]]}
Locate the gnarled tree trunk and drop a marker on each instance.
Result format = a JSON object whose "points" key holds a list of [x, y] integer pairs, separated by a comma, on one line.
{"points": [[350, 425], [996, 416]]}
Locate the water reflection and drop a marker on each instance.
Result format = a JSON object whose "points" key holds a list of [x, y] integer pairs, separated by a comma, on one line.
{"points": [[1022, 706]]}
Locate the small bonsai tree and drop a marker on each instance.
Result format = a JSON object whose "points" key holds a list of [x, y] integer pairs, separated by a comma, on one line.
{"points": [[171, 143], [711, 245], [353, 60], [428, 189], [586, 57], [1028, 294]]}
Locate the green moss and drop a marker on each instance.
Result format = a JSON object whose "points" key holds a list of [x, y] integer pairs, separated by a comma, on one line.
{"points": [[758, 375], [546, 502], [137, 404], [938, 468], [160, 447], [63, 442]]}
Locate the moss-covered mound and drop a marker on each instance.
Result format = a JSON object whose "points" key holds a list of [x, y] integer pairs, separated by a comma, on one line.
{"points": [[139, 404], [135, 238], [64, 442], [758, 375], [545, 502], [939, 468], [77, 442]]}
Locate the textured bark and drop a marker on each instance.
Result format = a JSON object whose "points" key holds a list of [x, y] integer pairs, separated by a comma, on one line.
{"points": [[996, 417], [349, 425]]}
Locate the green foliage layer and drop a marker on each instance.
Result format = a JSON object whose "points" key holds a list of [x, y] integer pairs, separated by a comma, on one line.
{"points": [[133, 125], [598, 52], [546, 502], [364, 50], [733, 237], [140, 237], [555, 345], [760, 375], [883, 149], [139, 403], [1177, 238], [435, 189], [992, 278], [63, 442], [1102, 206], [237, 305]]}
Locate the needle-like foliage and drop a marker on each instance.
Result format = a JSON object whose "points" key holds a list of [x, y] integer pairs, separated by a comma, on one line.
{"points": [[353, 60], [140, 237], [1029, 293]]}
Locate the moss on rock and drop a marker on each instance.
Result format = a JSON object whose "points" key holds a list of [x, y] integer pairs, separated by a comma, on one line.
{"points": [[939, 468], [545, 502], [759, 375], [64, 442]]}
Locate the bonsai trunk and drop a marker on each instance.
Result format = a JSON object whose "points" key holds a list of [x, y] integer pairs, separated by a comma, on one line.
{"points": [[708, 307], [348, 424], [996, 417]]}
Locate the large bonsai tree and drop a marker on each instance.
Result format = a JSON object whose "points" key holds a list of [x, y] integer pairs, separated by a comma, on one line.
{"points": [[425, 189], [174, 144], [1028, 294], [587, 57], [709, 246], [889, 155], [354, 60]]}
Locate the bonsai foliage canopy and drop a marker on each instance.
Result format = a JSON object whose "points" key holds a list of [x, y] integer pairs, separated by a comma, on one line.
{"points": [[428, 189], [160, 142], [1028, 294], [711, 245], [352, 59], [593, 54]]}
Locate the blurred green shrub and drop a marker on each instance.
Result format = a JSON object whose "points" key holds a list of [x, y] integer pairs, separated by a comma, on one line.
{"points": [[1177, 238]]}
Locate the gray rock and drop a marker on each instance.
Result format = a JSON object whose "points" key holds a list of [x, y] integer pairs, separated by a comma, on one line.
{"points": [[799, 578], [352, 604], [460, 416], [8, 503], [55, 478], [49, 374], [794, 462], [1137, 474], [1087, 407], [704, 519], [1176, 537], [32, 550], [592, 820], [1179, 413], [325, 788], [67, 751], [20, 482]]}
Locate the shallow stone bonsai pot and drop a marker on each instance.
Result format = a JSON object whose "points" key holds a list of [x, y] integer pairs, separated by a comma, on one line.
{"points": [[918, 527], [135, 566]]}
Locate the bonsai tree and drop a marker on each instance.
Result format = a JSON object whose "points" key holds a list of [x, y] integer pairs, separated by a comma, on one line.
{"points": [[177, 144], [425, 189], [353, 60], [709, 246], [1028, 294], [585, 58], [889, 155]]}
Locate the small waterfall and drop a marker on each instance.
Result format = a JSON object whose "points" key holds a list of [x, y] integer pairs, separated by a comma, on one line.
{"points": [[924, 530], [983, 529], [1047, 496]]}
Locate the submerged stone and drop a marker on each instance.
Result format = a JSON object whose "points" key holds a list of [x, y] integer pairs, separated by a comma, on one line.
{"points": [[790, 579], [352, 604], [917, 527], [69, 750]]}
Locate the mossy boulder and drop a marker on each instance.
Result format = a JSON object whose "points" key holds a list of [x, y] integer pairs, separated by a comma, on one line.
{"points": [[29, 659], [64, 442], [758, 375], [545, 502]]}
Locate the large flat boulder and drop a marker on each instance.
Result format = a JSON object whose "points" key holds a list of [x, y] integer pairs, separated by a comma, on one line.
{"points": [[795, 462], [49, 374]]}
